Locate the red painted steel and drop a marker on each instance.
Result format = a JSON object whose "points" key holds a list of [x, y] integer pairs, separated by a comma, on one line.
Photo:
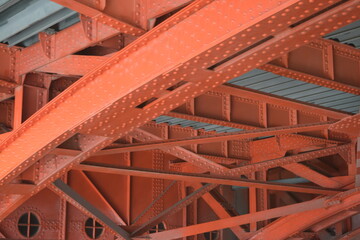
{"points": [[329, 71], [308, 208], [142, 49], [293, 65], [293, 223], [350, 126], [350, 235], [62, 189], [193, 177], [89, 92], [217, 137], [315, 177], [220, 210], [332, 220]]}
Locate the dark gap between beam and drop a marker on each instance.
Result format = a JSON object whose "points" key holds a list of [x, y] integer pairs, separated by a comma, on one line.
{"points": [[317, 14], [216, 65]]}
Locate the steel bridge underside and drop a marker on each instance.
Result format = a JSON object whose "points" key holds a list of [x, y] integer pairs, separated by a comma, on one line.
{"points": [[157, 119]]}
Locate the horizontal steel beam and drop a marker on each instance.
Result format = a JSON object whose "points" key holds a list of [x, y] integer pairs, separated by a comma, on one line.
{"points": [[320, 74], [5, 96], [204, 178], [17, 188], [279, 162], [73, 65], [101, 16], [279, 101], [215, 137], [327, 69]]}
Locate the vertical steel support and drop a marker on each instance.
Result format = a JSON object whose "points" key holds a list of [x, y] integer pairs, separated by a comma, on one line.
{"points": [[19, 93]]}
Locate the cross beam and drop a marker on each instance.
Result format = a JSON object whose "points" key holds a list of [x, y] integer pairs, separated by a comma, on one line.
{"points": [[195, 177], [140, 70], [59, 187], [216, 137], [306, 208]]}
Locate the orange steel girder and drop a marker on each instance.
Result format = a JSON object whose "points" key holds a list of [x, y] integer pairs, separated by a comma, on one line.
{"points": [[77, 92], [173, 64], [316, 209], [328, 72]]}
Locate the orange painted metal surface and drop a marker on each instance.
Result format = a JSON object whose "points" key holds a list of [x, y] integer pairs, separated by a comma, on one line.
{"points": [[82, 158]]}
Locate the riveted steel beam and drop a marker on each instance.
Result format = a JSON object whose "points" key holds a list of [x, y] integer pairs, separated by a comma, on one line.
{"points": [[96, 13], [350, 126], [216, 137], [245, 167], [34, 56], [80, 65], [56, 46], [289, 160], [8, 57], [136, 95], [279, 101], [315, 177], [317, 205], [94, 196], [173, 209], [149, 13], [151, 205], [327, 72], [181, 152], [17, 188], [286, 226], [204, 178], [151, 137], [328, 68], [62, 189], [7, 85], [285, 141], [144, 13], [230, 98], [214, 158], [76, 65], [219, 210]]}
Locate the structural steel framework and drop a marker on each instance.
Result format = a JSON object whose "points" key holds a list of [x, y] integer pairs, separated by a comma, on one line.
{"points": [[84, 153]]}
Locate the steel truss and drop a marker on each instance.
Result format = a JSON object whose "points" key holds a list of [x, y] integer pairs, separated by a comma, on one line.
{"points": [[95, 151]]}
